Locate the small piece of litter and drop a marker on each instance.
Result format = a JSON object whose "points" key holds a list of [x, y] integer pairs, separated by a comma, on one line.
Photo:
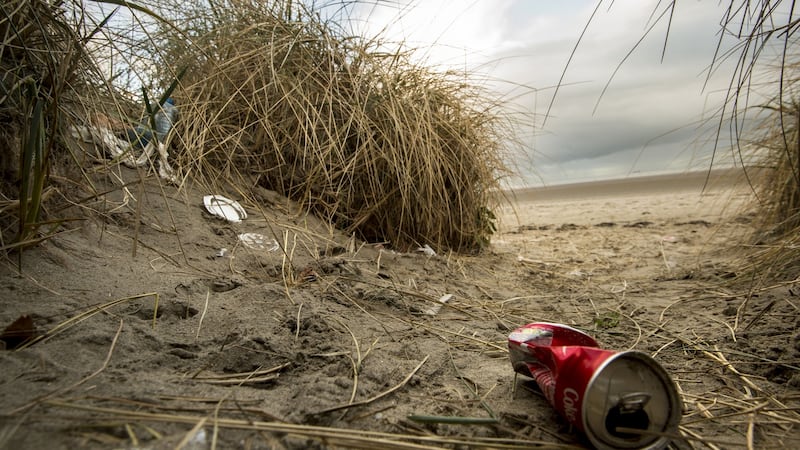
{"points": [[259, 242], [433, 310], [224, 208], [308, 275], [198, 441], [427, 250]]}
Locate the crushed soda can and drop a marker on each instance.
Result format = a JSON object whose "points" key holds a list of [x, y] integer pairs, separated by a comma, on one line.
{"points": [[620, 400]]}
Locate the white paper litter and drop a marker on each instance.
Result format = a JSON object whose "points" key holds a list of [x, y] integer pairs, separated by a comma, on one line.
{"points": [[224, 208], [427, 250], [121, 150], [198, 441], [433, 310], [259, 242]]}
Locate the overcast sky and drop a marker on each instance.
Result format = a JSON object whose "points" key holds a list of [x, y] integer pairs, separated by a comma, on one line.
{"points": [[647, 121]]}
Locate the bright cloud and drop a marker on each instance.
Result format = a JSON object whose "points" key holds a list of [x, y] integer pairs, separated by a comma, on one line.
{"points": [[650, 117]]}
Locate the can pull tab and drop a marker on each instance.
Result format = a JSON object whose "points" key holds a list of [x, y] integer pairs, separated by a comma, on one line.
{"points": [[634, 401], [629, 413]]}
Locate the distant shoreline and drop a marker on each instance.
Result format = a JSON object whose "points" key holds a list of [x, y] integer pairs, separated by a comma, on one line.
{"points": [[634, 186]]}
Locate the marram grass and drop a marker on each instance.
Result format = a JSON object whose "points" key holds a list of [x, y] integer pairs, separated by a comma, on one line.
{"points": [[380, 147]]}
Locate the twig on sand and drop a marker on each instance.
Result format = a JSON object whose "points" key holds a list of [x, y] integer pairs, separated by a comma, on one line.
{"points": [[381, 395], [719, 357], [191, 433], [456, 333], [664, 257], [66, 324], [471, 391], [759, 315], [350, 438], [694, 436], [355, 364], [256, 376], [7, 432], [202, 315], [76, 384], [297, 322]]}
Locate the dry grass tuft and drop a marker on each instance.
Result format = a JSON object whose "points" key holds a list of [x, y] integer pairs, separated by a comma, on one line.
{"points": [[766, 67], [771, 158], [47, 78], [777, 239], [273, 96], [31, 59], [376, 145]]}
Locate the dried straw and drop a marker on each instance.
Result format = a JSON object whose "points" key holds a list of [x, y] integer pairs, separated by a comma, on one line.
{"points": [[380, 147]]}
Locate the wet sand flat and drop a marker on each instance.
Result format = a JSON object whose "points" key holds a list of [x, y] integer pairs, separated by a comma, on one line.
{"points": [[701, 195]]}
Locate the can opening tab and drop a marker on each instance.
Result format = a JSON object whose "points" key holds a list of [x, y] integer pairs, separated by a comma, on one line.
{"points": [[628, 414]]}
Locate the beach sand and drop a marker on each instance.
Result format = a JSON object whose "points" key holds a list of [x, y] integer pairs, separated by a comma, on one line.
{"points": [[702, 195], [332, 332]]}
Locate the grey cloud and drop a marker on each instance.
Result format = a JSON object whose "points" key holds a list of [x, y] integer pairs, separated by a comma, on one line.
{"points": [[646, 120]]}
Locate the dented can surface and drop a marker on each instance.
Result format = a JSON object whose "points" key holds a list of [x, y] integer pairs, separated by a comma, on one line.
{"points": [[620, 400]]}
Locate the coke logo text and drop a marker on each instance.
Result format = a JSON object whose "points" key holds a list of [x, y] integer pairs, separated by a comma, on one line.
{"points": [[571, 399]]}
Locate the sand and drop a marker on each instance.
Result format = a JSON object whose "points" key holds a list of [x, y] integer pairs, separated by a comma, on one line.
{"points": [[154, 340]]}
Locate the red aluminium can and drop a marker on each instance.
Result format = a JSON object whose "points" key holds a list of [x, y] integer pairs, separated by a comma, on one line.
{"points": [[620, 400]]}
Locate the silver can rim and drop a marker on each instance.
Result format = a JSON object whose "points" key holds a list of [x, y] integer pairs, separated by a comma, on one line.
{"points": [[672, 394]]}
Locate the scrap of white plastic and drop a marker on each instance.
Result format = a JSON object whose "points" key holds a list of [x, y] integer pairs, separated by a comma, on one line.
{"points": [[80, 132], [427, 250], [199, 440], [224, 208], [259, 242], [433, 310]]}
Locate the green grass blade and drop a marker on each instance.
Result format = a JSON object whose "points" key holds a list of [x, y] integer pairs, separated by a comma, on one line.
{"points": [[99, 26], [151, 118], [38, 165], [453, 420], [137, 7], [27, 156], [172, 86]]}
